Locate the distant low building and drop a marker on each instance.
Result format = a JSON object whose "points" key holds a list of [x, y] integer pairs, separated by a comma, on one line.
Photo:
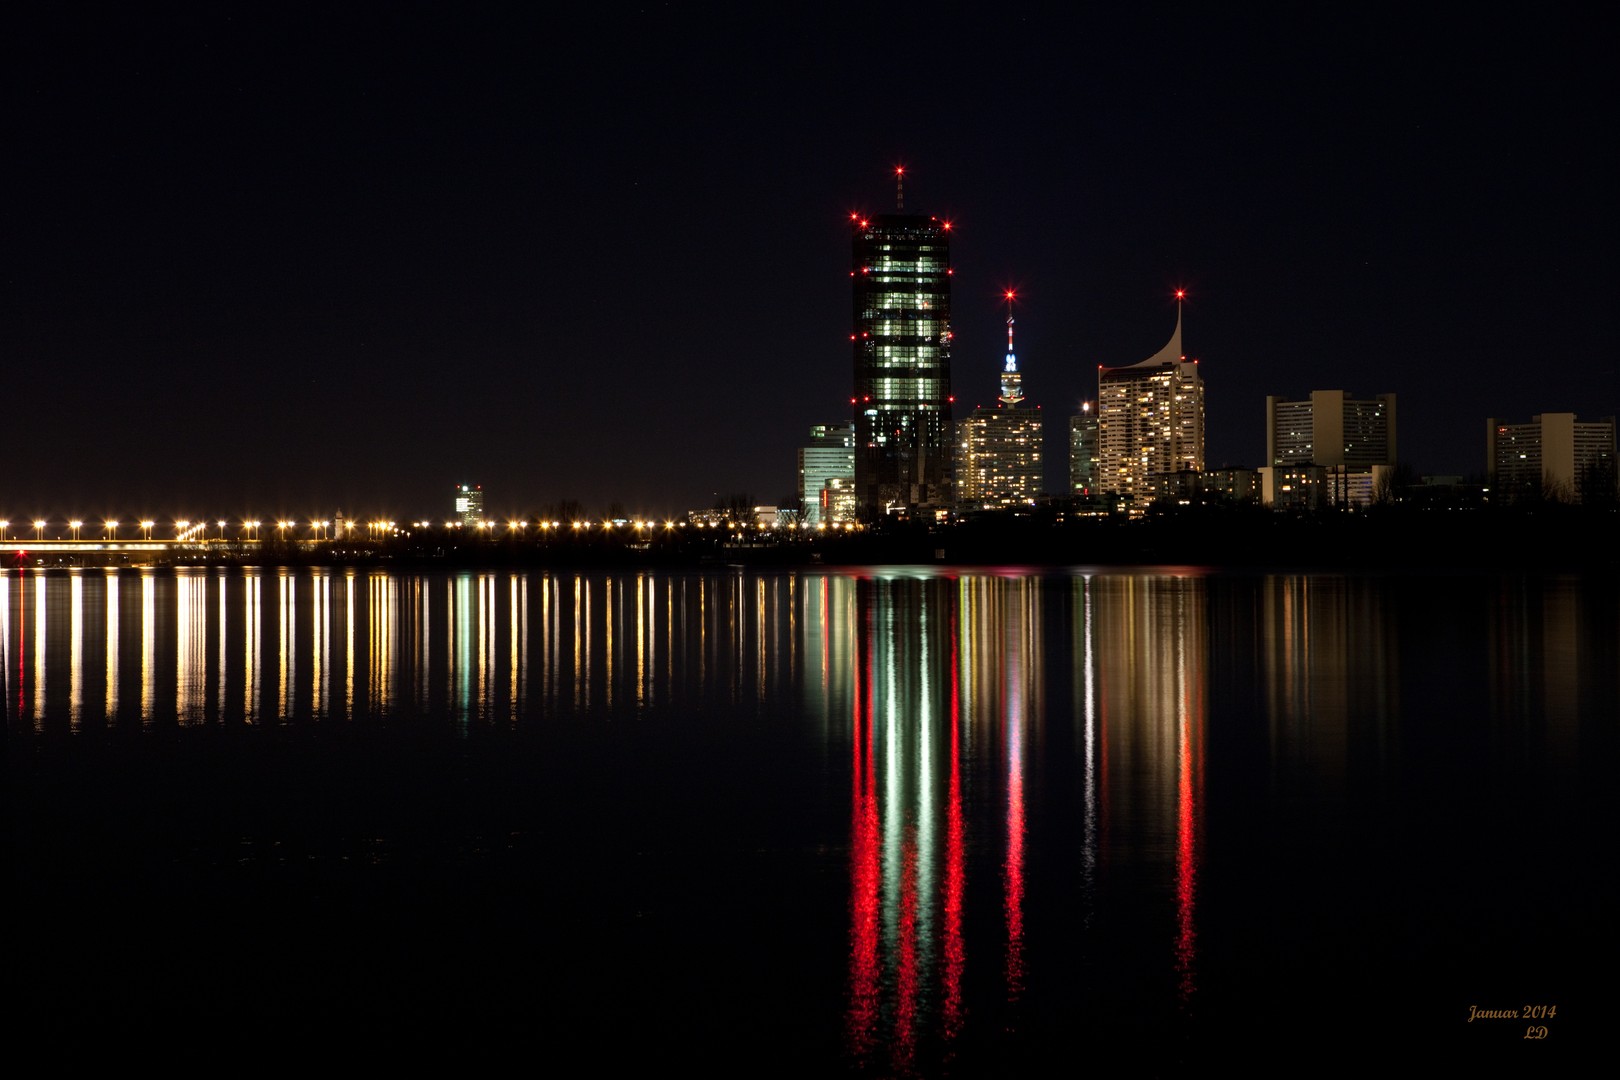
{"points": [[1232, 485], [1296, 487], [1553, 456]]}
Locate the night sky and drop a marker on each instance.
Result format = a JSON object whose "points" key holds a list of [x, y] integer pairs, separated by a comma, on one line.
{"points": [[274, 259]]}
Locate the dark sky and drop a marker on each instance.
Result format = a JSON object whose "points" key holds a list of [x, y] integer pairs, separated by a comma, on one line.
{"points": [[275, 259]]}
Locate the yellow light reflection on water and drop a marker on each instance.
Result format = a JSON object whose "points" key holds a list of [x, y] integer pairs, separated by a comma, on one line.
{"points": [[111, 587], [287, 657], [348, 643], [75, 650], [148, 646], [252, 673]]}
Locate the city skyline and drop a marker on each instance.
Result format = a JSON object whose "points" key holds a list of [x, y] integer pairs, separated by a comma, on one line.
{"points": [[507, 248]]}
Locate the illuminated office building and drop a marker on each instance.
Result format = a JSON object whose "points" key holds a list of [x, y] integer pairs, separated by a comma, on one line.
{"points": [[1349, 443], [1083, 452], [470, 503], [827, 474], [1150, 423], [999, 448], [902, 351], [1554, 455]]}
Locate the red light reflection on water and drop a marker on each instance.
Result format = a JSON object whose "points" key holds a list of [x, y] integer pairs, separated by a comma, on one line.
{"points": [[951, 1007], [904, 1047], [1189, 806], [865, 857], [1015, 839]]}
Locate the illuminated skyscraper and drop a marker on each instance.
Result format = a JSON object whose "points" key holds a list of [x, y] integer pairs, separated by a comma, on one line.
{"points": [[1083, 452], [1150, 422], [470, 503], [998, 463], [827, 473], [902, 349]]}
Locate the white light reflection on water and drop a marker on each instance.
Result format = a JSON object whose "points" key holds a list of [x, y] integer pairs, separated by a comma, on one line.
{"points": [[191, 637]]}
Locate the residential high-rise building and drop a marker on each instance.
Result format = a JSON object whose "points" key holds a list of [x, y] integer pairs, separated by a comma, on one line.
{"points": [[1554, 455], [826, 472], [1083, 452], [998, 463], [1351, 442], [1150, 422], [470, 503], [902, 350]]}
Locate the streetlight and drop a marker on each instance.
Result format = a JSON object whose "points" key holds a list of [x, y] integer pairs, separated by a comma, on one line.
{"points": [[221, 524], [146, 528], [180, 528], [252, 529], [112, 529], [39, 530], [4, 525], [75, 525]]}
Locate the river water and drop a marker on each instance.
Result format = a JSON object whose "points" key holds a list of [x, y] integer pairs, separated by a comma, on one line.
{"points": [[891, 822]]}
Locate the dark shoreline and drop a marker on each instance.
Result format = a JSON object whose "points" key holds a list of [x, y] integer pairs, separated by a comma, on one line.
{"points": [[1569, 540]]}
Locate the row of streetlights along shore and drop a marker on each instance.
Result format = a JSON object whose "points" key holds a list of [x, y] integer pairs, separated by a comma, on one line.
{"points": [[199, 532]]}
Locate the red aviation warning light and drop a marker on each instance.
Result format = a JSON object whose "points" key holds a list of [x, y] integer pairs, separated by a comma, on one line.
{"points": [[1181, 294]]}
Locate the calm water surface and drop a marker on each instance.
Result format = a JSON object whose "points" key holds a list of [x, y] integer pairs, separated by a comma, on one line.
{"points": [[896, 823]]}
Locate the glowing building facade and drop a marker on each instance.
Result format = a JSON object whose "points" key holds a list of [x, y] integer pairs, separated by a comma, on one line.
{"points": [[998, 462], [827, 474], [902, 351], [470, 503], [1349, 442], [1553, 456], [1083, 452], [1150, 422]]}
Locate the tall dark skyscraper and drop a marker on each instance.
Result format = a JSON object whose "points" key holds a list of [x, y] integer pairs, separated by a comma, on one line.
{"points": [[902, 344]]}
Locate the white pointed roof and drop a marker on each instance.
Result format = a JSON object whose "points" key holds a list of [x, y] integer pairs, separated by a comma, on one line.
{"points": [[1170, 354]]}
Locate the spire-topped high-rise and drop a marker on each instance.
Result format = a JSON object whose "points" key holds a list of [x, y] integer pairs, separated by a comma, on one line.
{"points": [[998, 448], [1012, 383], [1150, 421], [902, 351]]}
